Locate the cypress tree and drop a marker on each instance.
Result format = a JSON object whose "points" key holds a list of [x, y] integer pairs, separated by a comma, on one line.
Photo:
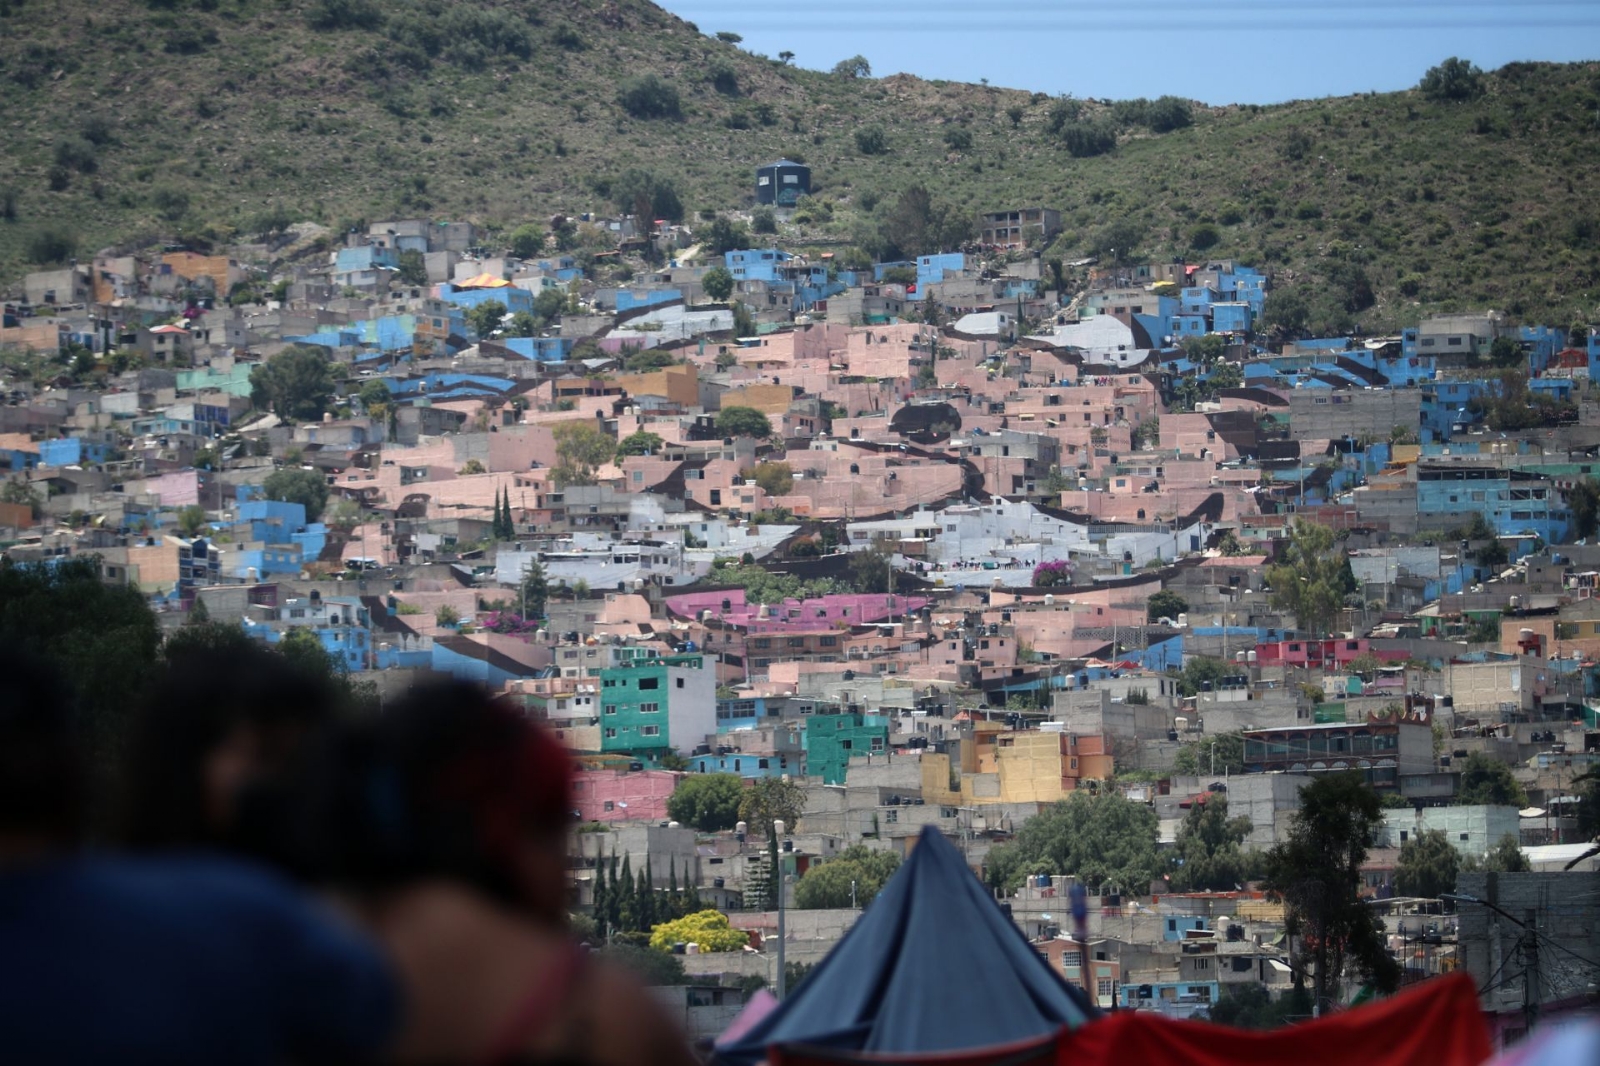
{"points": [[674, 907], [627, 900], [691, 905], [646, 900], [601, 894], [614, 897]]}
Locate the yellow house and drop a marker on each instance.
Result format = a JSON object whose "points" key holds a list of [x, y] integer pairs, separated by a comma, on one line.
{"points": [[677, 384]]}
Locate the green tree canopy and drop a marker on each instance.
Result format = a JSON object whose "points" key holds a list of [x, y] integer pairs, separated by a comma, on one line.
{"points": [[102, 637], [769, 800], [296, 384], [191, 519], [534, 593], [1316, 871], [1223, 751], [708, 802], [1485, 779], [294, 484], [775, 479], [641, 443], [743, 422], [826, 886], [718, 283], [1452, 81], [375, 391], [1210, 851], [1166, 604], [854, 67], [486, 317], [642, 194], [1312, 578], [1427, 866], [1584, 499], [1105, 840], [580, 449]]}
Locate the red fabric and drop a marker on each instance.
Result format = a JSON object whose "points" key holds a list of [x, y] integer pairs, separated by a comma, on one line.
{"points": [[1435, 1023]]}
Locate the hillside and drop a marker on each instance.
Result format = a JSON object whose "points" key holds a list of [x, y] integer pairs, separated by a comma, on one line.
{"points": [[206, 119]]}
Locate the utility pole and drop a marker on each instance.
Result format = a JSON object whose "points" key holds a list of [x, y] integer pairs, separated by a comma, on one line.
{"points": [[783, 978]]}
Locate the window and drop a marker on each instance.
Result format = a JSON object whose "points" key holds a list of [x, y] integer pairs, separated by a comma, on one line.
{"points": [[1463, 836], [829, 642], [649, 708], [608, 708], [649, 682], [610, 806], [1070, 959], [611, 734], [1102, 988], [1202, 964], [649, 731]]}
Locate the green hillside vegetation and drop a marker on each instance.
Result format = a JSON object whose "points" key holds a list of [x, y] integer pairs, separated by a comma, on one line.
{"points": [[207, 120]]}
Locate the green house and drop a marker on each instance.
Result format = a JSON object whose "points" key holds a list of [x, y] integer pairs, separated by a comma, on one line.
{"points": [[831, 740], [656, 705]]}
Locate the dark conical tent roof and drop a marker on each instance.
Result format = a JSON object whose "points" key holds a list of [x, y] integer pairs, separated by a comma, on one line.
{"points": [[933, 965]]}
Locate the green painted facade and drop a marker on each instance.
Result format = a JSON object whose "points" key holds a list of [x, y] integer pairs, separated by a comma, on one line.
{"points": [[635, 705], [832, 739]]}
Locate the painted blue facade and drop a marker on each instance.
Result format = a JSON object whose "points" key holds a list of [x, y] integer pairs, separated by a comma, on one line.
{"points": [[349, 644], [365, 257], [1508, 503], [1165, 993], [879, 269], [634, 301], [931, 269], [510, 297], [1445, 406], [466, 668], [1231, 318], [448, 385], [755, 264], [541, 349], [1174, 926], [749, 767]]}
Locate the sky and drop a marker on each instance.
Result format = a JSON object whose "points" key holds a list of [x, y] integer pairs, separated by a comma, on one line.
{"points": [[1227, 51]]}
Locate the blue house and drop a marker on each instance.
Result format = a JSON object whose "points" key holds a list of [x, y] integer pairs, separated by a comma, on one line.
{"points": [[1510, 501], [750, 767], [1178, 999], [931, 269], [341, 625], [755, 264], [541, 349]]}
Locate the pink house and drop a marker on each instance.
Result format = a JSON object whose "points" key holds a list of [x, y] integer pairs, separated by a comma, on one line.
{"points": [[1322, 653], [623, 795]]}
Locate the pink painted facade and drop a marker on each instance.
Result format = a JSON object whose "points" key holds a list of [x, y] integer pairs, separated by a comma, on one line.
{"points": [[623, 795], [1322, 653]]}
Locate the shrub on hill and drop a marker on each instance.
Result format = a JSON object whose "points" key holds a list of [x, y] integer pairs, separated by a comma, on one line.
{"points": [[649, 97]]}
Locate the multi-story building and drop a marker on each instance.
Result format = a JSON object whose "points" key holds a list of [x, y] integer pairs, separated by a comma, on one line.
{"points": [[832, 739], [656, 705], [1014, 229], [1381, 750]]}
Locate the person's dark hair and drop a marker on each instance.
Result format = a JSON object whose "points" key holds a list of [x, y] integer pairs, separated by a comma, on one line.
{"points": [[446, 785], [43, 778], [192, 705]]}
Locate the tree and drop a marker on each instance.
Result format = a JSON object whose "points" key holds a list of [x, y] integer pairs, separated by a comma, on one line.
{"points": [[1165, 604], [1452, 81], [647, 197], [786, 57], [486, 317], [871, 140], [294, 484], [413, 268], [1214, 754], [641, 442], [191, 520], [304, 650], [1312, 578], [534, 591], [854, 67], [1584, 499], [1250, 1006], [916, 224], [769, 800], [550, 303], [527, 242], [743, 422], [1209, 854], [296, 384], [101, 637], [827, 885], [775, 479], [718, 283], [1427, 866], [447, 616], [707, 802], [649, 97], [16, 490], [1107, 841], [710, 929], [580, 448], [374, 392], [1485, 779], [1365, 666], [1506, 856], [1316, 871]]}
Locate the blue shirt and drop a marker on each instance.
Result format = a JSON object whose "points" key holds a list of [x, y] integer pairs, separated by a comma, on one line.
{"points": [[181, 960]]}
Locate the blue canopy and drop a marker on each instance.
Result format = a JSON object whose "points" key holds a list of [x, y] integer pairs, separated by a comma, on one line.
{"points": [[933, 965]]}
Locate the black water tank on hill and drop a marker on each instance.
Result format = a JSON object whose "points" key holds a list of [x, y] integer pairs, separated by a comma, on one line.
{"points": [[782, 183]]}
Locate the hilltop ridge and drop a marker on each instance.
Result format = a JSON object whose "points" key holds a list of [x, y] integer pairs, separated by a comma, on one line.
{"points": [[203, 120]]}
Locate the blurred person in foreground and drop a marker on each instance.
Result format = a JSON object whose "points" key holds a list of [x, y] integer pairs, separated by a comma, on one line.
{"points": [[165, 961], [214, 742], [445, 825]]}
